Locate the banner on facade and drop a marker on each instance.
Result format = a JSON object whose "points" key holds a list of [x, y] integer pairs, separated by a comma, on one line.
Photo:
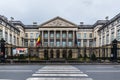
{"points": [[18, 51]]}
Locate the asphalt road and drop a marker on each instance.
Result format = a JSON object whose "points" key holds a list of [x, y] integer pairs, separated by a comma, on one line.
{"points": [[59, 72]]}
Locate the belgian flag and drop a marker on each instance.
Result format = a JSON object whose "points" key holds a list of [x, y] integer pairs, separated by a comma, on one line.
{"points": [[39, 40]]}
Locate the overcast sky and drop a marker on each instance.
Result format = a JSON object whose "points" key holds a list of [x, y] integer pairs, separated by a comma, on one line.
{"points": [[76, 11]]}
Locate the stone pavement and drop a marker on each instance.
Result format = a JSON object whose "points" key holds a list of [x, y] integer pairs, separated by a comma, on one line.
{"points": [[59, 72]]}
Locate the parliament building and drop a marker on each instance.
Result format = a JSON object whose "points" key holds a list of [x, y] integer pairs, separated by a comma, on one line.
{"points": [[60, 38]]}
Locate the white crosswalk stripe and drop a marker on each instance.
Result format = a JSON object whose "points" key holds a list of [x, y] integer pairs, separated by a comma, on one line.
{"points": [[59, 72]]}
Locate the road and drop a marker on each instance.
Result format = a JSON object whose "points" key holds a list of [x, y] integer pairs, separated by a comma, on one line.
{"points": [[59, 72]]}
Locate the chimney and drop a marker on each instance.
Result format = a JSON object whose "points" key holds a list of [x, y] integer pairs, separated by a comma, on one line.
{"points": [[11, 18], [107, 17], [34, 23], [81, 23]]}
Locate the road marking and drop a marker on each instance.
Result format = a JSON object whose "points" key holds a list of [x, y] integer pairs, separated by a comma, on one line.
{"points": [[15, 70], [5, 79], [59, 70], [103, 71], [66, 72], [59, 79], [60, 75], [104, 67]]}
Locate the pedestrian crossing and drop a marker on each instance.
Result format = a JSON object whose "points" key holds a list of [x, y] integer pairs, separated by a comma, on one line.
{"points": [[59, 72]]}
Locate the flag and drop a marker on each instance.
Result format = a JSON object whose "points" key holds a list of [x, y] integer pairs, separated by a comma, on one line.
{"points": [[75, 38], [38, 40]]}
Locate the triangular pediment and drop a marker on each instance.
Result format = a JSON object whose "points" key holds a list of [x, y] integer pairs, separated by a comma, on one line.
{"points": [[58, 22]]}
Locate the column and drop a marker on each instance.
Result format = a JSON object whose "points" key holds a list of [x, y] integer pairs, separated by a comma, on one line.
{"points": [[73, 38], [61, 38], [67, 38], [4, 33], [48, 38], [82, 43], [88, 43], [8, 36], [42, 39], [54, 38]]}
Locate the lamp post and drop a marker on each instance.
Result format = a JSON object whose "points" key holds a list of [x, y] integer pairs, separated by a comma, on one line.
{"points": [[2, 42]]}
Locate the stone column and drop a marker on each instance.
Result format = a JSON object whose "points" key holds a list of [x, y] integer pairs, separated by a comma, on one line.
{"points": [[3, 31], [42, 39], [82, 43], [67, 38], [48, 38], [73, 38], [61, 38], [88, 43], [54, 38]]}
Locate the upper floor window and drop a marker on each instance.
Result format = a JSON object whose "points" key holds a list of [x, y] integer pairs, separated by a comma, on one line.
{"points": [[31, 35], [1, 35], [26, 34], [51, 34], [45, 35], [37, 34], [6, 36], [79, 35], [90, 35], [85, 35], [70, 35], [57, 35], [64, 35], [118, 35]]}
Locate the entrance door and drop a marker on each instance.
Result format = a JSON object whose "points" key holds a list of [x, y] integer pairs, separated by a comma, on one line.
{"points": [[57, 54], [51, 54], [64, 54]]}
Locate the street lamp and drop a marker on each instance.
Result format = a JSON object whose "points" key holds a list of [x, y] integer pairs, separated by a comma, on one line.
{"points": [[2, 42]]}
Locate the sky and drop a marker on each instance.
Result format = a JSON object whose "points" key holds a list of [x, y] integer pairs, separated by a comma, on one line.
{"points": [[76, 11]]}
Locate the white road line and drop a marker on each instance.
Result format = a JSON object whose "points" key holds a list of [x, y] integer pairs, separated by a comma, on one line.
{"points": [[15, 70], [43, 75], [59, 79], [103, 71], [58, 70], [104, 67], [50, 72], [5, 79]]}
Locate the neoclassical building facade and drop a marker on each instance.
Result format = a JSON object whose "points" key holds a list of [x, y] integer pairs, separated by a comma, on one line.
{"points": [[59, 36]]}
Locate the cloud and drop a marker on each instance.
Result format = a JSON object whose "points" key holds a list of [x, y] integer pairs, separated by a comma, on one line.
{"points": [[87, 11]]}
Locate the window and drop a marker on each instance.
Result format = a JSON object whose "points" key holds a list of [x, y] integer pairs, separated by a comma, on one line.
{"points": [[107, 39], [90, 43], [118, 35], [70, 43], [37, 34], [51, 35], [10, 38], [14, 40], [103, 41], [17, 41], [63, 43], [85, 35], [1, 35], [90, 35], [57, 35], [84, 43], [79, 43], [45, 43], [31, 35], [51, 43], [79, 35], [45, 35], [26, 34], [112, 36], [31, 43], [64, 35], [58, 43], [26, 43], [70, 35], [6, 36]]}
